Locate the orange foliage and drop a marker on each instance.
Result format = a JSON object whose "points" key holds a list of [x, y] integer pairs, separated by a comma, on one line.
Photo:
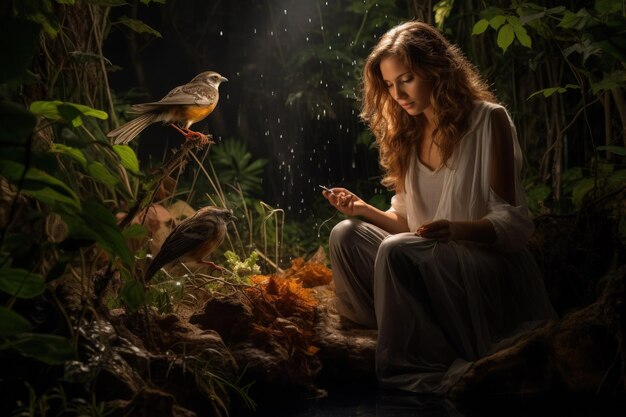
{"points": [[285, 305], [310, 274], [286, 295]]}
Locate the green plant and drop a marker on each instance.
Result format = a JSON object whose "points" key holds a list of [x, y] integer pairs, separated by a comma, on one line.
{"points": [[580, 71], [242, 269], [236, 168], [55, 402]]}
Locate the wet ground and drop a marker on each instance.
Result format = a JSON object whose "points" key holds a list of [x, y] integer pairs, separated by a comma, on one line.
{"points": [[379, 403]]}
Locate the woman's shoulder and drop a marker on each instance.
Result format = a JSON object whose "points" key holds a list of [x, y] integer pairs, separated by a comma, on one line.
{"points": [[482, 107], [482, 111]]}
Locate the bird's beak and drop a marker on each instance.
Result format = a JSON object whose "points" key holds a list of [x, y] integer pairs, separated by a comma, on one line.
{"points": [[224, 79]]}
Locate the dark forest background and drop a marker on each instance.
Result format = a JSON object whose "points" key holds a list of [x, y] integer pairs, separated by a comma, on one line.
{"points": [[71, 247]]}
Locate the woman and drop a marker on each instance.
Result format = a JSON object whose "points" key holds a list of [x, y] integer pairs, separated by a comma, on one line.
{"points": [[444, 273]]}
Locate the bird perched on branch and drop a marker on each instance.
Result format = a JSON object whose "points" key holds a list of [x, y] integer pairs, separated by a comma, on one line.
{"points": [[193, 239], [180, 108]]}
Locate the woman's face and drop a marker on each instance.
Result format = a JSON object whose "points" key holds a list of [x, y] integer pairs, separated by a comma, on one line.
{"points": [[410, 91]]}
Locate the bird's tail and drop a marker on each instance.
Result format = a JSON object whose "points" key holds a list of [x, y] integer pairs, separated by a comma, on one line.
{"points": [[127, 132]]}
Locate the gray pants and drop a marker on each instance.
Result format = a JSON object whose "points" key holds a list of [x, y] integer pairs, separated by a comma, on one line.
{"points": [[436, 305]]}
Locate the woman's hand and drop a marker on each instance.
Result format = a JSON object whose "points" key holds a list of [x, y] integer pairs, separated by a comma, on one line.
{"points": [[344, 201], [443, 230]]}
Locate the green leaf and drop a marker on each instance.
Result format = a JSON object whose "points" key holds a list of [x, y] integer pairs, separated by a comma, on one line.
{"points": [[614, 80], [617, 150], [442, 10], [547, 92], [146, 2], [138, 26], [85, 57], [539, 192], [608, 6], [21, 283], [100, 173], [97, 223], [88, 111], [577, 21], [69, 112], [530, 14], [47, 348], [506, 35], [556, 10], [133, 295], [18, 40], [39, 184], [16, 123], [71, 2], [581, 190], [497, 21], [480, 27], [135, 231], [128, 158], [522, 35], [48, 21], [73, 153], [12, 323]]}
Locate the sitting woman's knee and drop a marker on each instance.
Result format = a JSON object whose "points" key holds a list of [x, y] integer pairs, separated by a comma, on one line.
{"points": [[344, 232], [393, 247]]}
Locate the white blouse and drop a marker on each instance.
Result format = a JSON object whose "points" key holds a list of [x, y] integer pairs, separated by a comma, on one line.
{"points": [[465, 193]]}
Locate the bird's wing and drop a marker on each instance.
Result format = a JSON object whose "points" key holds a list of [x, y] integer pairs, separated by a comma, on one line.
{"points": [[192, 93], [184, 238]]}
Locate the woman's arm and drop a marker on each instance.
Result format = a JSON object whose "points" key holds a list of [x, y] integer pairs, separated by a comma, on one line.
{"points": [[350, 204], [502, 181], [502, 176]]}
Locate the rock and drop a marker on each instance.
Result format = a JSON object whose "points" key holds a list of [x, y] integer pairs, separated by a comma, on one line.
{"points": [[230, 316], [277, 375], [346, 350], [272, 348], [185, 366], [582, 353]]}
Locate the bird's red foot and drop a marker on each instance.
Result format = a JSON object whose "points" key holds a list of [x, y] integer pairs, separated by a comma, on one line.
{"points": [[201, 137], [213, 266], [193, 135]]}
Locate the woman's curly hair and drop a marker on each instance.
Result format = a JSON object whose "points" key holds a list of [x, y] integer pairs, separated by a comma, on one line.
{"points": [[456, 86]]}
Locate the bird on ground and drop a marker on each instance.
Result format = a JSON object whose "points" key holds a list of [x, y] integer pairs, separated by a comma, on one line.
{"points": [[180, 108], [193, 239]]}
